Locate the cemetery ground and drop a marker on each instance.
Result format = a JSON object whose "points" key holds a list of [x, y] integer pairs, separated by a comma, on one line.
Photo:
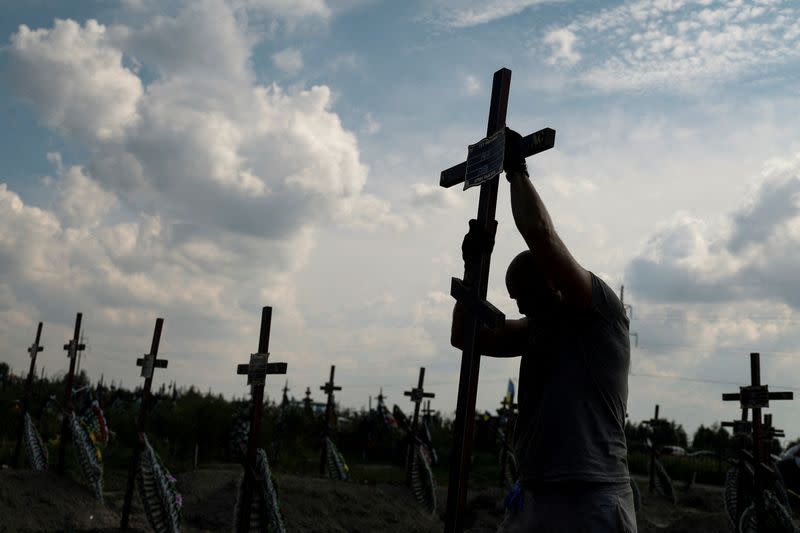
{"points": [[374, 499]]}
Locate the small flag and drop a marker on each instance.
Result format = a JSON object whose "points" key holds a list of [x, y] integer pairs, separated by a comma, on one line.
{"points": [[510, 392]]}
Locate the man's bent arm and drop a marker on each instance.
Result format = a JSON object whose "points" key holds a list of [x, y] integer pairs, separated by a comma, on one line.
{"points": [[507, 342], [551, 254]]}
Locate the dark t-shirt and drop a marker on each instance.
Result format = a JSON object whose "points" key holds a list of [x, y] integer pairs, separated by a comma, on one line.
{"points": [[573, 392]]}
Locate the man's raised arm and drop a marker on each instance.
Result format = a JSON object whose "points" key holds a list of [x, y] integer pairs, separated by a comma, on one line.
{"points": [[536, 227]]}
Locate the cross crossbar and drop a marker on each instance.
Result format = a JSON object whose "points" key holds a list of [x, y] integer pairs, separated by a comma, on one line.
{"points": [[488, 314], [532, 144]]}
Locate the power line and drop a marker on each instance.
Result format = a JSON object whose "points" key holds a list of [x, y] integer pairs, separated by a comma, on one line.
{"points": [[704, 380]]}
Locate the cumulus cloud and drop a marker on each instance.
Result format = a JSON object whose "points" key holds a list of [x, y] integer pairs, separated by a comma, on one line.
{"points": [[678, 44], [75, 78], [752, 257], [202, 189]]}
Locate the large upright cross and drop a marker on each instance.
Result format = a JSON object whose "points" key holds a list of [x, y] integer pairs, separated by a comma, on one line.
{"points": [[148, 363], [475, 297], [756, 397], [329, 389], [72, 347], [33, 351], [256, 371]]}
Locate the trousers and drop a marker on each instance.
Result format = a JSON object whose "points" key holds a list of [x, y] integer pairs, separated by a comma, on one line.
{"points": [[573, 508]]}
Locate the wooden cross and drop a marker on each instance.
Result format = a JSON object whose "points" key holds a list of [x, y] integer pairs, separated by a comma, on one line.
{"points": [[33, 351], [380, 397], [756, 397], [427, 411], [72, 348], [329, 389], [475, 297], [741, 426], [256, 371], [416, 395], [285, 399], [653, 423], [308, 403], [149, 362]]}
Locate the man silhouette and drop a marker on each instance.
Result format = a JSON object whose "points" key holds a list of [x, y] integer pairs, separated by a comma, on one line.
{"points": [[569, 439]]}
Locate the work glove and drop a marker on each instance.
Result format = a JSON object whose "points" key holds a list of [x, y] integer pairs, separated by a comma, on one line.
{"points": [[476, 241], [513, 159]]}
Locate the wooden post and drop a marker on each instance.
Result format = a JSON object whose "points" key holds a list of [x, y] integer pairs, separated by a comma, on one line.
{"points": [[256, 372], [756, 397], [33, 351], [330, 414], [148, 363], [475, 297], [72, 348], [653, 423]]}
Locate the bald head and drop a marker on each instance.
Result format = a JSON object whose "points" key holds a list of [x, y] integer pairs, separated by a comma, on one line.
{"points": [[527, 284]]}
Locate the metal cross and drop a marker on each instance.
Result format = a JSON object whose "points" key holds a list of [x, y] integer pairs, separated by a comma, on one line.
{"points": [[256, 372], [653, 423], [427, 411], [475, 297]]}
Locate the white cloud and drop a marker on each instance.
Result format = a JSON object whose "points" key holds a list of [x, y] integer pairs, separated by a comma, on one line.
{"points": [[562, 42], [289, 60], [75, 78], [201, 194], [468, 13], [424, 195], [472, 85], [371, 125], [682, 44]]}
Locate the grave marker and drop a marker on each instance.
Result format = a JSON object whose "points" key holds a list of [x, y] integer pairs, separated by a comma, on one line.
{"points": [[416, 395], [330, 415], [72, 348], [33, 351], [256, 371], [148, 363], [475, 297], [756, 397]]}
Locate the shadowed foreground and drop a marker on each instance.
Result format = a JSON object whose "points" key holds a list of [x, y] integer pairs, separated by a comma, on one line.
{"points": [[32, 501]]}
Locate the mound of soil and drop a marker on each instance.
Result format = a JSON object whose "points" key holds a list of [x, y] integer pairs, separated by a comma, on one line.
{"points": [[44, 501]]}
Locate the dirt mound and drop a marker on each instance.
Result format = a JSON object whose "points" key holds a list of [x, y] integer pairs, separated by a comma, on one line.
{"points": [[308, 504], [44, 501]]}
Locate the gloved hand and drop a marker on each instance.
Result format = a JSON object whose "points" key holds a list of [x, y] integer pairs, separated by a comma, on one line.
{"points": [[513, 160], [476, 241]]}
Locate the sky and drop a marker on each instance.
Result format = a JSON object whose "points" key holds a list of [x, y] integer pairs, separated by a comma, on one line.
{"points": [[199, 160]]}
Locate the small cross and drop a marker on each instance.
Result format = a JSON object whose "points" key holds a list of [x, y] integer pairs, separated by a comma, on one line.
{"points": [[740, 426], [380, 397], [285, 390], [329, 387], [755, 395], [427, 411], [417, 395], [150, 360]]}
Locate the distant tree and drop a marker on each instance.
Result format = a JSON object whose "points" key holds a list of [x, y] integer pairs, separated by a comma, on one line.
{"points": [[712, 438]]}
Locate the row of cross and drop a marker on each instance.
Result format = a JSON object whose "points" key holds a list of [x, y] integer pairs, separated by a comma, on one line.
{"points": [[256, 371]]}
